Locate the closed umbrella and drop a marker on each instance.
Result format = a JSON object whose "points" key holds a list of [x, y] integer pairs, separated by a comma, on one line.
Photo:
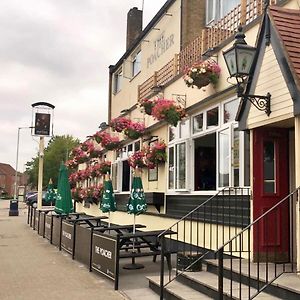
{"points": [[108, 201], [51, 194], [63, 204], [136, 206]]}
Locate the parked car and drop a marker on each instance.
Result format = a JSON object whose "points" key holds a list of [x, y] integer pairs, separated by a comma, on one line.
{"points": [[32, 198]]}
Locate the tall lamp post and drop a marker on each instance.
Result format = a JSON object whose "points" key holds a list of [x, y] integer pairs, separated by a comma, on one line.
{"points": [[13, 206]]}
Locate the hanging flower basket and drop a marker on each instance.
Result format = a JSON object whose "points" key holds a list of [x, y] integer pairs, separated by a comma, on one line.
{"points": [[86, 146], [137, 160], [135, 130], [119, 124], [202, 74], [147, 105], [93, 193], [71, 164], [112, 145], [156, 154], [77, 194], [104, 167], [168, 110]]}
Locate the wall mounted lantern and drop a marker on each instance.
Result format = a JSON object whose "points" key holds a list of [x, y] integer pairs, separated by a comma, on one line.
{"points": [[239, 60]]}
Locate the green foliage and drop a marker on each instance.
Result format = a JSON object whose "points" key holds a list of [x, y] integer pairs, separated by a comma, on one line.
{"points": [[57, 150]]}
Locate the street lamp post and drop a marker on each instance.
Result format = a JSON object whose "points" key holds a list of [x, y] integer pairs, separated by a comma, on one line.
{"points": [[14, 207]]}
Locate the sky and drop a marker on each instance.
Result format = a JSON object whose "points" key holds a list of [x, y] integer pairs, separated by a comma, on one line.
{"points": [[58, 51]]}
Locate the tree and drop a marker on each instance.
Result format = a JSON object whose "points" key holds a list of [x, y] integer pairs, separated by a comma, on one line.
{"points": [[57, 150]]}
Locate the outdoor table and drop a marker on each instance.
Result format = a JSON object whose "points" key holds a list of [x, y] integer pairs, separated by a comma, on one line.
{"points": [[68, 230], [108, 249]]}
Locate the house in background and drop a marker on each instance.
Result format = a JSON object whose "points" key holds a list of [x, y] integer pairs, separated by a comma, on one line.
{"points": [[7, 180]]}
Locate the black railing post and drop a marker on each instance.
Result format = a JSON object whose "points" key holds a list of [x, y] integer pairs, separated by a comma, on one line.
{"points": [[162, 267], [220, 273]]}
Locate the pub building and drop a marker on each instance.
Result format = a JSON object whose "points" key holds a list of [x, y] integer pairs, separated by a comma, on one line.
{"points": [[233, 145]]}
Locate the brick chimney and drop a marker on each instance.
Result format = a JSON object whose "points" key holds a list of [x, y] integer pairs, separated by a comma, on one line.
{"points": [[134, 25]]}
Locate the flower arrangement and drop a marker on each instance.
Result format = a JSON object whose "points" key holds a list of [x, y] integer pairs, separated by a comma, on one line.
{"points": [[137, 159], [110, 142], [98, 136], [156, 154], [147, 105], [119, 124], [71, 164], [77, 194], [202, 73], [107, 141], [81, 157], [86, 146], [134, 130], [93, 193], [168, 110], [104, 167]]}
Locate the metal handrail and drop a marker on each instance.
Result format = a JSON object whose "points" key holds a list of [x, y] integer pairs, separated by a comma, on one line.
{"points": [[265, 259], [224, 209]]}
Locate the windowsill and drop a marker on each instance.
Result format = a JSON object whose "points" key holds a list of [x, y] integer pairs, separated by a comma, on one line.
{"points": [[169, 193], [133, 77]]}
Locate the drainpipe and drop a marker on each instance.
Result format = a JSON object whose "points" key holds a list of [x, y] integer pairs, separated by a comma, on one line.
{"points": [[297, 182]]}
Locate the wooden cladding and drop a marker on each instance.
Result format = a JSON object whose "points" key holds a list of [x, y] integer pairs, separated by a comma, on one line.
{"points": [[211, 37]]}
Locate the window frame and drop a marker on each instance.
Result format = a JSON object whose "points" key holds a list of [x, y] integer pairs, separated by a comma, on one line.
{"points": [[117, 83], [134, 60], [119, 164]]}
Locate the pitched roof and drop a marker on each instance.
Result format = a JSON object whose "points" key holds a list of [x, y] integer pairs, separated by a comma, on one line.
{"points": [[7, 169], [287, 23]]}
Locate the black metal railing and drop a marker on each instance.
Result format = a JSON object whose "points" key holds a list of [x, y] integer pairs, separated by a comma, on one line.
{"points": [[260, 253], [203, 230]]}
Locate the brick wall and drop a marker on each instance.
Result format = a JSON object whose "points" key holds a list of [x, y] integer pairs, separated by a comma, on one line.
{"points": [[193, 20]]}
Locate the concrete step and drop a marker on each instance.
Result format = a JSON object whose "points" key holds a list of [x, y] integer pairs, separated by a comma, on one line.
{"points": [[287, 286], [176, 290], [207, 283]]}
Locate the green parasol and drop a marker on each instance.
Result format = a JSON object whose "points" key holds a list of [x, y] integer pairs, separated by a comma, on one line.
{"points": [[108, 201], [51, 194], [63, 203], [136, 205]]}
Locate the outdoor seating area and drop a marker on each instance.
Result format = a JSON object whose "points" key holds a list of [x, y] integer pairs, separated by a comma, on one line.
{"points": [[96, 243]]}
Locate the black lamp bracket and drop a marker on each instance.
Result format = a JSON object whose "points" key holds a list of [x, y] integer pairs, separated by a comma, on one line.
{"points": [[262, 103]]}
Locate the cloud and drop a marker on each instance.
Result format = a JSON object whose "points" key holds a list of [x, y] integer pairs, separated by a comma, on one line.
{"points": [[58, 52]]}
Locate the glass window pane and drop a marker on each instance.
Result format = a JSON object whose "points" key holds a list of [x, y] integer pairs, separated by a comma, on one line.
{"points": [[125, 176], [213, 117], [236, 158], [228, 5], [224, 158], [205, 163], [171, 168], [114, 175], [180, 158], [230, 110], [198, 123], [172, 133], [118, 81], [269, 167], [130, 147], [209, 11], [136, 64], [137, 146], [185, 129]]}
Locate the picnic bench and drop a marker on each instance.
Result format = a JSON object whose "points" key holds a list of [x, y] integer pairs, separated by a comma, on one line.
{"points": [[107, 249]]}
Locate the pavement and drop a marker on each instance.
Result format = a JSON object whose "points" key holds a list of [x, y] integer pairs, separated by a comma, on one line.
{"points": [[32, 268]]}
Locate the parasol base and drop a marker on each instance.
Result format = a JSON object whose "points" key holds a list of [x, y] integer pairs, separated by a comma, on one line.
{"points": [[133, 266]]}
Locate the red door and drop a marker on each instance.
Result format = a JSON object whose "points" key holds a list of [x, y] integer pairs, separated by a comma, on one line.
{"points": [[270, 185]]}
